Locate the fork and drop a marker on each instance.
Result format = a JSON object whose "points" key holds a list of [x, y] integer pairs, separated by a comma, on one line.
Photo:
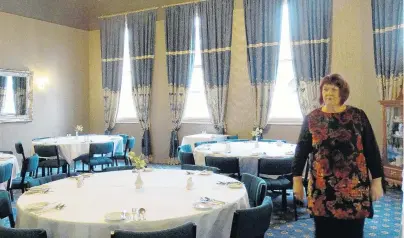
{"points": [[59, 206]]}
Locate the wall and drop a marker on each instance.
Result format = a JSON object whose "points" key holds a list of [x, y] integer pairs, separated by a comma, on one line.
{"points": [[59, 53], [352, 52]]}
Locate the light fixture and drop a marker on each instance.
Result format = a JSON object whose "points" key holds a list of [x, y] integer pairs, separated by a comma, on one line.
{"points": [[41, 82]]}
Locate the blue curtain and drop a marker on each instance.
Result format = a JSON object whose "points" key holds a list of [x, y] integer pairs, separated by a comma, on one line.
{"points": [[263, 30], [216, 18], [142, 32], [388, 39], [20, 95], [112, 44], [3, 85], [310, 32], [179, 28]]}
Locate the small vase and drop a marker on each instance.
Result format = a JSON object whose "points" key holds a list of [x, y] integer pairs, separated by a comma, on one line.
{"points": [[139, 181], [77, 133], [256, 142]]}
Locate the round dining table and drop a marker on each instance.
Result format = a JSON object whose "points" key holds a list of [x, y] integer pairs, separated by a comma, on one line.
{"points": [[71, 147], [164, 196], [248, 152]]}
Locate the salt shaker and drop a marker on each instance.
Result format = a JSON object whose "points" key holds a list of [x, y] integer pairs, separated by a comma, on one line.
{"points": [[190, 183]]}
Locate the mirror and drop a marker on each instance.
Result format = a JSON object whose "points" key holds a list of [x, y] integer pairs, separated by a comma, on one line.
{"points": [[394, 131], [15, 96]]}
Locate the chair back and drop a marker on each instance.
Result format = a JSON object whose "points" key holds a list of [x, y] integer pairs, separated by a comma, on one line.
{"points": [[272, 140], [187, 230], [101, 148], [204, 142], [275, 166], [185, 148], [234, 137], [44, 151], [43, 180], [21, 232], [227, 165], [131, 143], [236, 140], [20, 149], [124, 139], [252, 222], [30, 164], [5, 173], [118, 168], [200, 168], [256, 188], [40, 138], [186, 157]]}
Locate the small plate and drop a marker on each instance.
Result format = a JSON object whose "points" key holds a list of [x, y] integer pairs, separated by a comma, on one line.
{"points": [[36, 206], [148, 169], [235, 185], [202, 206], [114, 216], [206, 172]]}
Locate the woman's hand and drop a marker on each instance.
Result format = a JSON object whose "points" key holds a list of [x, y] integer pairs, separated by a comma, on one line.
{"points": [[376, 189], [298, 188]]}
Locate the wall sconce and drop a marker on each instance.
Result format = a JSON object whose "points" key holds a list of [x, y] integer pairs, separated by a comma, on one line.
{"points": [[41, 82]]}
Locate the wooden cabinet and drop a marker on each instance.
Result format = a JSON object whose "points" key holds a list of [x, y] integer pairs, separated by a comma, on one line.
{"points": [[392, 151]]}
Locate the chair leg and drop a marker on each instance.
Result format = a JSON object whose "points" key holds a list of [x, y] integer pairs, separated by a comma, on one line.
{"points": [[12, 222], [284, 199], [57, 171], [11, 195], [36, 176], [102, 167], [295, 206], [43, 171]]}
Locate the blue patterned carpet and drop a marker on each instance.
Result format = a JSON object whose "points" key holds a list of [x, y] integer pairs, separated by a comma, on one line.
{"points": [[386, 222]]}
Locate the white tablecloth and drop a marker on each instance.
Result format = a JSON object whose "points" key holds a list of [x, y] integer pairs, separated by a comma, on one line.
{"points": [[164, 196], [191, 139], [74, 146], [5, 159], [247, 153]]}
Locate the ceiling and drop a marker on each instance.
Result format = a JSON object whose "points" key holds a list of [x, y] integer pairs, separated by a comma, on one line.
{"points": [[80, 14]]}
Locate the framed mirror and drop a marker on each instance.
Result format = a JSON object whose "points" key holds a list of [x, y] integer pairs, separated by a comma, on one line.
{"points": [[16, 96]]}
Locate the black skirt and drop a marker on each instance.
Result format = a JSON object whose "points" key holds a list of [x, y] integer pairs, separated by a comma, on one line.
{"points": [[326, 227]]}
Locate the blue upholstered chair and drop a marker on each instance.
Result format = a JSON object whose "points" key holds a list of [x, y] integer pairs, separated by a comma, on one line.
{"points": [[204, 142], [234, 137], [5, 208], [29, 166], [185, 155], [105, 150], [187, 230], [256, 189], [118, 168], [22, 233], [43, 180], [122, 155], [5, 201], [200, 168], [20, 149], [49, 159], [236, 140], [227, 165], [252, 222], [282, 167], [130, 146]]}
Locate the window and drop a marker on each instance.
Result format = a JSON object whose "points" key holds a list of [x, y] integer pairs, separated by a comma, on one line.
{"points": [[285, 108], [9, 107], [196, 107], [126, 110]]}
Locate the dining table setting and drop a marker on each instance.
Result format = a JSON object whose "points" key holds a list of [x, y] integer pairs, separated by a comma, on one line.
{"points": [[94, 205]]}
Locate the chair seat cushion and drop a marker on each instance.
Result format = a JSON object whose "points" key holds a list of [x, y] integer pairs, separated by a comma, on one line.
{"points": [[278, 184], [52, 163], [16, 183], [117, 154], [97, 161], [5, 204]]}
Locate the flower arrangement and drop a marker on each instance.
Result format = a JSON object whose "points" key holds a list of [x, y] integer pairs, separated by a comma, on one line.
{"points": [[79, 128], [257, 133], [136, 160]]}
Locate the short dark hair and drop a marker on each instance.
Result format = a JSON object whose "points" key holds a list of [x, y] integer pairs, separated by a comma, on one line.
{"points": [[336, 80]]}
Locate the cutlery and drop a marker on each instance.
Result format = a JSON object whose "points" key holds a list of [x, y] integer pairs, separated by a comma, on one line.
{"points": [[142, 211], [189, 172], [59, 206], [206, 199]]}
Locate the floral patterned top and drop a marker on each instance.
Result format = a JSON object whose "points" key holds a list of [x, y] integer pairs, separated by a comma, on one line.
{"points": [[344, 148]]}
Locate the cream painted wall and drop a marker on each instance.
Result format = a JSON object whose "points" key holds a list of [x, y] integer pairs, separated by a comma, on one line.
{"points": [[352, 56], [59, 53]]}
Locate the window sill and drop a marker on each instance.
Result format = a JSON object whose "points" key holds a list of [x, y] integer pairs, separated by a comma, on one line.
{"points": [[196, 121], [127, 121], [285, 122]]}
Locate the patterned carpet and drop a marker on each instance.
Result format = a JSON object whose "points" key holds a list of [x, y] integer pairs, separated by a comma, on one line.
{"points": [[386, 222]]}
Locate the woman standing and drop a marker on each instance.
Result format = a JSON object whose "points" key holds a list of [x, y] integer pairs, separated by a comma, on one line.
{"points": [[340, 192]]}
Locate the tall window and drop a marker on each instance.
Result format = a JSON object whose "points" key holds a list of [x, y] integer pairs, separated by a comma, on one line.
{"points": [[9, 107], [285, 108], [126, 110], [196, 107]]}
